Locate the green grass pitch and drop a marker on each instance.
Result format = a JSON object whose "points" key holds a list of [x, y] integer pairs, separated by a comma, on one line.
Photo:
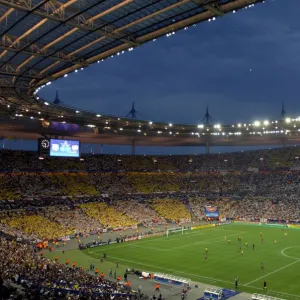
{"points": [[183, 255]]}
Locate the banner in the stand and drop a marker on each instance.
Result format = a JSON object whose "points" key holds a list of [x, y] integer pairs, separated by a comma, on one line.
{"points": [[211, 211]]}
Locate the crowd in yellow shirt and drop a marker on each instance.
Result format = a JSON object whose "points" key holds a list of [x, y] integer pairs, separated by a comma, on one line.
{"points": [[106, 215], [172, 210], [38, 225]]}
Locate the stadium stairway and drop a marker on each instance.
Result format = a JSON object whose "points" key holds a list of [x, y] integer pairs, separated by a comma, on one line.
{"points": [[232, 212], [188, 207]]}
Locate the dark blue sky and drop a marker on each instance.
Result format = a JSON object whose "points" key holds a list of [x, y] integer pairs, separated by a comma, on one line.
{"points": [[243, 66]]}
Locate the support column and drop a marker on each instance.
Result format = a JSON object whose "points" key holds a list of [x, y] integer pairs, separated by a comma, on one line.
{"points": [[133, 147], [284, 142], [207, 147]]}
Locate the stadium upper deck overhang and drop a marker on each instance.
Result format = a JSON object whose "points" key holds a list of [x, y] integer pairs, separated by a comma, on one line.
{"points": [[43, 40], [283, 132]]}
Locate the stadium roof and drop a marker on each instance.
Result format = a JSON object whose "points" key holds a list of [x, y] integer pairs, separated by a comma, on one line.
{"points": [[43, 40]]}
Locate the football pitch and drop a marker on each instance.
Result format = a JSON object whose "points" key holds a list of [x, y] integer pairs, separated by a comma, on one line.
{"points": [[184, 255]]}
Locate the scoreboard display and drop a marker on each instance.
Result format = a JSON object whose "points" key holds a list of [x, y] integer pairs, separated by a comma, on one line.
{"points": [[64, 148], [58, 148]]}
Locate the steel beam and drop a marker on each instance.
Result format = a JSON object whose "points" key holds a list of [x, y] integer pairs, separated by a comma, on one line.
{"points": [[6, 14], [72, 31], [79, 21], [211, 5], [11, 70], [7, 43], [8, 83]]}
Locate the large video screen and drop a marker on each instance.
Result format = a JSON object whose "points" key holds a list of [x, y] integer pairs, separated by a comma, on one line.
{"points": [[64, 148], [211, 211]]}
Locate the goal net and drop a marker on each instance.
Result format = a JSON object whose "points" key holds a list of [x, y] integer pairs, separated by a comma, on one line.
{"points": [[173, 231]]}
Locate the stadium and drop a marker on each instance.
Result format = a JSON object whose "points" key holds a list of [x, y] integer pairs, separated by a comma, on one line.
{"points": [[96, 226]]}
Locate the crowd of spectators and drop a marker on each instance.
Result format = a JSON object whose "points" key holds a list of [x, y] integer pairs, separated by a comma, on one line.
{"points": [[34, 224], [139, 211], [72, 218], [262, 159], [26, 274], [109, 191], [172, 210], [107, 215]]}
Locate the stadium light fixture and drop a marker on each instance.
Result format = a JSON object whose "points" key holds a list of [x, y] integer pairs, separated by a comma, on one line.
{"points": [[266, 122], [257, 123], [217, 126], [200, 126], [288, 120], [239, 125]]}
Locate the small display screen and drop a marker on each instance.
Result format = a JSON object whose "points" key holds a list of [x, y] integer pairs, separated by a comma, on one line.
{"points": [[64, 148]]}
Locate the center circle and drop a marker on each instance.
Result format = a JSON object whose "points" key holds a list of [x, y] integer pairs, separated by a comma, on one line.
{"points": [[285, 250]]}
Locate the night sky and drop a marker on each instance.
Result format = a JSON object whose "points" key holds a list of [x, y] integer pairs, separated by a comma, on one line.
{"points": [[243, 65]]}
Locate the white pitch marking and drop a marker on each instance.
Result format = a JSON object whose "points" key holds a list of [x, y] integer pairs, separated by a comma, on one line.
{"points": [[282, 252], [294, 262]]}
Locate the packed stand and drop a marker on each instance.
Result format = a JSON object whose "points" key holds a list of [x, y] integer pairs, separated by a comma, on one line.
{"points": [[107, 215], [172, 210], [26, 274], [139, 211]]}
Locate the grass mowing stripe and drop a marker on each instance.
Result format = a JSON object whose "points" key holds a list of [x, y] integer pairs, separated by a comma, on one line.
{"points": [[273, 272]]}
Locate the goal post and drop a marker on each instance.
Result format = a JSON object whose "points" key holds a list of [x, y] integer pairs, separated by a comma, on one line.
{"points": [[174, 230]]}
